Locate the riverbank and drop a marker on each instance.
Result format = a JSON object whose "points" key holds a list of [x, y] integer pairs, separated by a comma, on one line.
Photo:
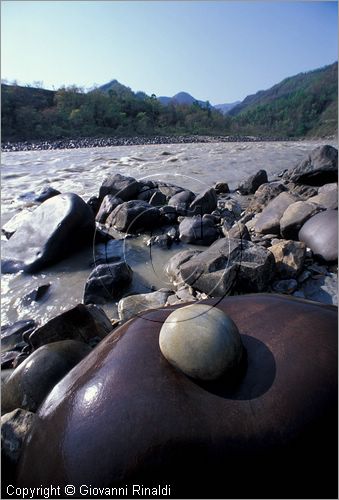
{"points": [[91, 142]]}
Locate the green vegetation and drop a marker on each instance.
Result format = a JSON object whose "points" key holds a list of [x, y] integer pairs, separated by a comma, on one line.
{"points": [[303, 105]]}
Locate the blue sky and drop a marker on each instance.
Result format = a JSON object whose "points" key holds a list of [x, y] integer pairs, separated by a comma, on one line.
{"points": [[221, 51]]}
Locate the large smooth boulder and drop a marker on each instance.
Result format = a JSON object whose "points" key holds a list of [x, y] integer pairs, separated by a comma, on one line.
{"points": [[320, 233], [318, 168], [294, 217], [120, 186], [32, 380], [135, 304], [198, 230], [108, 204], [204, 203], [82, 322], [289, 257], [251, 184], [133, 216], [125, 416], [229, 265], [268, 221], [107, 282], [59, 226]]}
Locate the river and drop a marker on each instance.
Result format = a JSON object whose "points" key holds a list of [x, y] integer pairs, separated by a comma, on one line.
{"points": [[193, 166]]}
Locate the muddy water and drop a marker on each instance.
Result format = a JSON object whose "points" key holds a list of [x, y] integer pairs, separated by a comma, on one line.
{"points": [[194, 166]]}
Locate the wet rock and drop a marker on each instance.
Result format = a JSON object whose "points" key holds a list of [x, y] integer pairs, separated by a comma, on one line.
{"points": [[82, 322], [15, 426], [250, 185], [229, 265], [107, 282], [94, 204], [147, 192], [294, 217], [285, 286], [221, 187], [158, 199], [110, 251], [198, 230], [174, 264], [8, 358], [181, 201], [320, 233], [323, 289], [120, 186], [168, 213], [15, 222], [238, 231], [33, 379], [45, 193], [263, 195], [204, 203], [108, 204], [318, 168], [58, 227], [134, 304], [201, 341], [163, 241], [289, 257], [269, 220], [326, 200], [133, 216], [169, 190], [36, 295], [13, 334]]}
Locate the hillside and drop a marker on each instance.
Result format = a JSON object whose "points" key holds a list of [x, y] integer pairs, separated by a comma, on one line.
{"points": [[226, 108], [301, 105], [180, 98]]}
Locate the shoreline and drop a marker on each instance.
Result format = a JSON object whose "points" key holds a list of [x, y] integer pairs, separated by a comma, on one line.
{"points": [[88, 142]]}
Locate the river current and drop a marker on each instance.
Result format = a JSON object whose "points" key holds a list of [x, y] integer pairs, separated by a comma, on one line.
{"points": [[193, 166]]}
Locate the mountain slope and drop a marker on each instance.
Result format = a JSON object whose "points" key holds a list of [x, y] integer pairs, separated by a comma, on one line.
{"points": [[305, 104], [180, 98], [226, 108]]}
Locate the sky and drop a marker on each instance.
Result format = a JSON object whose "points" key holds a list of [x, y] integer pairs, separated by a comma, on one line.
{"points": [[219, 51]]}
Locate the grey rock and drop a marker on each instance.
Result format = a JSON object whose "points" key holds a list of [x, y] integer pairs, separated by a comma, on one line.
{"points": [[318, 168], [174, 264], [158, 199], [108, 204], [269, 220], [323, 289], [15, 222], [134, 304], [238, 231], [34, 378], [8, 358], [294, 217], [301, 191], [221, 187], [15, 426], [285, 286], [204, 203], [120, 186], [94, 203], [58, 227], [289, 257], [250, 185], [107, 282], [327, 200], [147, 192], [328, 187], [181, 201], [36, 295], [198, 230], [79, 323], [169, 190], [133, 216], [263, 195], [320, 233], [45, 193]]}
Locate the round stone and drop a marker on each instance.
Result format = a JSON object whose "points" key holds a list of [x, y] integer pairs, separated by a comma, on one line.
{"points": [[201, 341]]}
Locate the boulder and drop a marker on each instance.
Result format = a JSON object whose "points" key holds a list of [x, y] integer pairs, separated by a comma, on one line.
{"points": [[59, 226], [269, 220], [326, 200], [120, 186], [204, 203], [198, 230], [289, 257], [181, 201], [250, 185], [169, 190], [134, 304], [301, 191], [84, 323], [320, 233], [110, 251], [294, 217], [125, 414], [108, 204], [33, 379], [174, 264], [201, 341], [107, 282], [158, 199], [36, 295], [133, 216], [12, 225], [45, 193], [94, 204], [8, 358], [147, 192], [239, 231], [318, 168], [229, 265], [263, 195], [221, 187]]}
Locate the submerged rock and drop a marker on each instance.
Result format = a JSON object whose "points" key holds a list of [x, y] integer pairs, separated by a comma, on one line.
{"points": [[45, 193], [201, 341], [58, 227], [12, 334]]}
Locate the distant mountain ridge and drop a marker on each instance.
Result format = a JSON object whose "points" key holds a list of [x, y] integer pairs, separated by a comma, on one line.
{"points": [[226, 108], [180, 98]]}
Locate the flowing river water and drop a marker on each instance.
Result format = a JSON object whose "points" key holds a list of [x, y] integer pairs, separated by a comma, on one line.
{"points": [[81, 171]]}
